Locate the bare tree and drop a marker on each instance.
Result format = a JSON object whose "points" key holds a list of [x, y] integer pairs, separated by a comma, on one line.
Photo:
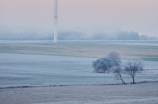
{"points": [[132, 67], [118, 74]]}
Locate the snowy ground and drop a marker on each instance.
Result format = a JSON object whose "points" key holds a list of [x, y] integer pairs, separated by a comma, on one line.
{"points": [[26, 69], [152, 100], [146, 93], [39, 70]]}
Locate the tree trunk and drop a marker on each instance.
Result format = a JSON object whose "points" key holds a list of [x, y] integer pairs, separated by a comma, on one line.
{"points": [[123, 82], [133, 80]]}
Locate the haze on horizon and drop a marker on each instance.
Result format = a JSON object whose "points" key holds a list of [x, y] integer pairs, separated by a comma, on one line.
{"points": [[129, 15]]}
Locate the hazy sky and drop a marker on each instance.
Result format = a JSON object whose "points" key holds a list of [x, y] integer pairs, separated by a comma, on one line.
{"points": [[131, 15]]}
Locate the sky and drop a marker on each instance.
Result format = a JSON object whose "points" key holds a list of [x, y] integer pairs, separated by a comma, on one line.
{"points": [[129, 15]]}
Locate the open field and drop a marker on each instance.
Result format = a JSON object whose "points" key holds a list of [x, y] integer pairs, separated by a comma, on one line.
{"points": [[83, 49], [41, 70], [146, 93], [24, 69]]}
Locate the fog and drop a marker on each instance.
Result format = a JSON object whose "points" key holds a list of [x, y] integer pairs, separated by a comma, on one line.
{"points": [[25, 19], [96, 33], [26, 33]]}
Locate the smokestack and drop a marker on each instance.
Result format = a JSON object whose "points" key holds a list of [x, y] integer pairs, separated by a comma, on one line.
{"points": [[55, 21]]}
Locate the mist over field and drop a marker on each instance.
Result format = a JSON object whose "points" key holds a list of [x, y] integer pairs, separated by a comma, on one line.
{"points": [[79, 20], [96, 33]]}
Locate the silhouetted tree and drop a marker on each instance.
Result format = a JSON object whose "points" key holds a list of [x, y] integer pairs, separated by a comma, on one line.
{"points": [[132, 67]]}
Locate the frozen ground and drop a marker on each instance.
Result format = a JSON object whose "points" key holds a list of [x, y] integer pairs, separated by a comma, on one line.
{"points": [[147, 50], [152, 100], [133, 42], [146, 93], [39, 70]]}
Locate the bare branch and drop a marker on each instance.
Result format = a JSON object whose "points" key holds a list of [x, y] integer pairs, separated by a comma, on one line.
{"points": [[132, 67]]}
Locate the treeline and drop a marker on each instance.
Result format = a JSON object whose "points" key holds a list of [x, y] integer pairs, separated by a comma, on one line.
{"points": [[71, 35], [122, 35], [32, 33]]}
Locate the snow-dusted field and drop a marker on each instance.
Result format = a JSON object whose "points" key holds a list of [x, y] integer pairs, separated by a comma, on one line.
{"points": [[44, 70], [146, 93], [39, 70]]}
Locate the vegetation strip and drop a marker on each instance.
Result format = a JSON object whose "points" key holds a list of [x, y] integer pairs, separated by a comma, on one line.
{"points": [[15, 87]]}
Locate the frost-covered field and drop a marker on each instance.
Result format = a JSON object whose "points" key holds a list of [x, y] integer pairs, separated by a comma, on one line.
{"points": [[147, 50], [43, 70], [145, 93]]}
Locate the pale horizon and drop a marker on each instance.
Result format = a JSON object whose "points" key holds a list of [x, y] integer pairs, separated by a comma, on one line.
{"points": [[128, 15]]}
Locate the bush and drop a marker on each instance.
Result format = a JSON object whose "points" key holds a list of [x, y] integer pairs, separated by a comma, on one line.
{"points": [[112, 60]]}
